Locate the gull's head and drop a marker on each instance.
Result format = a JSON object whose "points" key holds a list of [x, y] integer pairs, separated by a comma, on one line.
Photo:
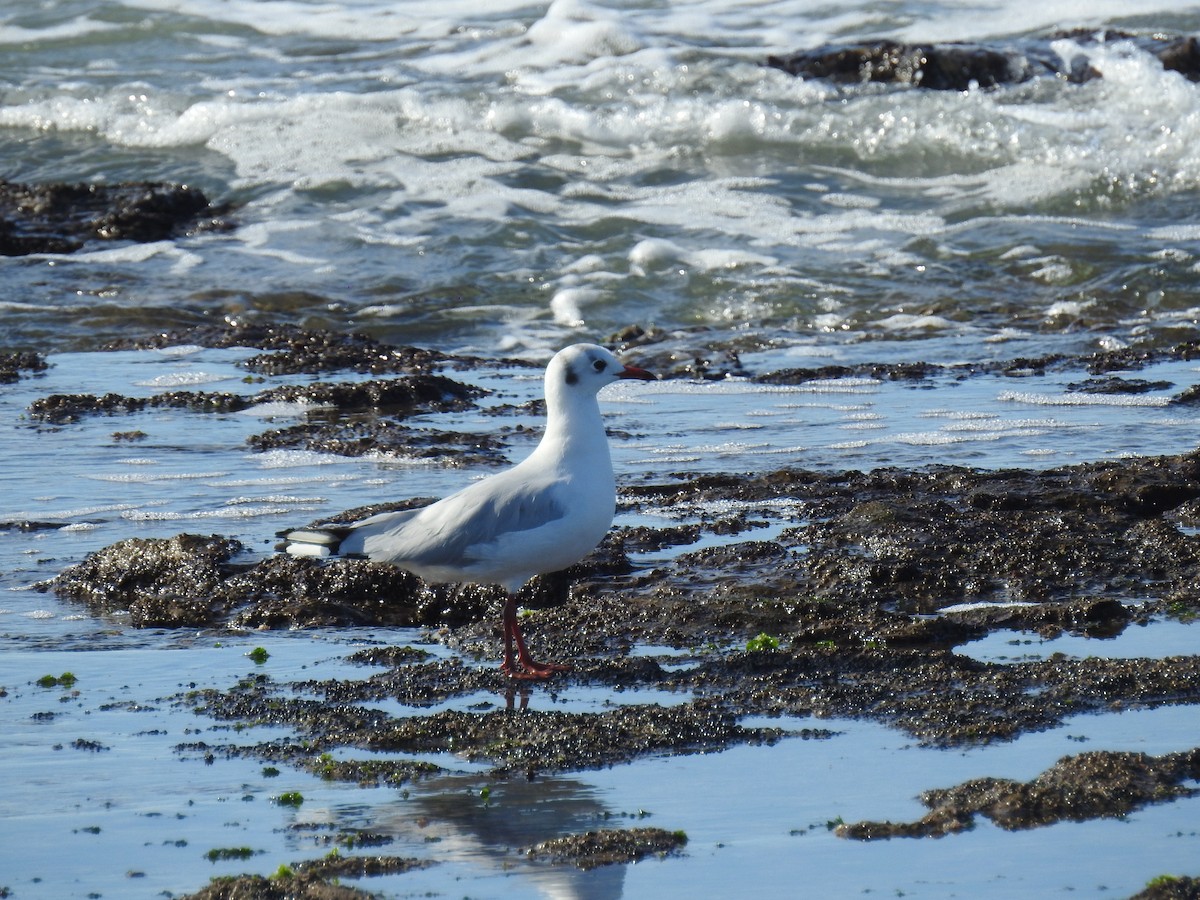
{"points": [[582, 369]]}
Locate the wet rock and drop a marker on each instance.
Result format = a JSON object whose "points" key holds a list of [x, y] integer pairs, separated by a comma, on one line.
{"points": [[515, 741], [60, 218], [190, 580], [737, 557], [698, 365], [389, 656], [942, 67], [638, 336], [396, 395], [308, 351], [13, 363], [306, 886], [89, 745], [1076, 788], [911, 371], [168, 582], [418, 683], [676, 354], [1182, 55], [61, 409], [374, 435], [369, 772], [284, 591], [332, 868], [1186, 514], [1114, 385], [293, 350], [648, 540], [1170, 887], [601, 848], [29, 525], [549, 741], [364, 772], [1094, 617], [964, 66], [1187, 397], [923, 540], [400, 396], [939, 697], [1100, 363]]}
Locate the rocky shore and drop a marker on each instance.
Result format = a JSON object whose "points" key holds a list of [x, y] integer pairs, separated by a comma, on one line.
{"points": [[61, 218], [963, 66], [828, 594]]}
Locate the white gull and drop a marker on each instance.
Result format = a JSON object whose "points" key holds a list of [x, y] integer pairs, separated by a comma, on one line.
{"points": [[544, 514]]}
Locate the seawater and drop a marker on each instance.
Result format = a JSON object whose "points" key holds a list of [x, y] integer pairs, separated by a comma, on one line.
{"points": [[503, 179], [510, 177]]}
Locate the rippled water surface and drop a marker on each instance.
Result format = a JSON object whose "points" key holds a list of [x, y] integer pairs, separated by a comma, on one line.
{"points": [[511, 176], [503, 179]]}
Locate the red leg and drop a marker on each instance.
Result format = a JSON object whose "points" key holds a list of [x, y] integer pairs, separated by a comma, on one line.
{"points": [[524, 666]]}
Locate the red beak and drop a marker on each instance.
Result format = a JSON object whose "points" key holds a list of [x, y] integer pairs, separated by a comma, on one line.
{"points": [[635, 372]]}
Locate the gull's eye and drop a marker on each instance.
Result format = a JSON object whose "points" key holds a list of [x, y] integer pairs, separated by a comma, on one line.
{"points": [[599, 365]]}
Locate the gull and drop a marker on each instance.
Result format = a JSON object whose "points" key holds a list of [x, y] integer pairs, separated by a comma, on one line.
{"points": [[544, 514]]}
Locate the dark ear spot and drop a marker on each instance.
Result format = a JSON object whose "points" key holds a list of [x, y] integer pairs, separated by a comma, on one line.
{"points": [[572, 378]]}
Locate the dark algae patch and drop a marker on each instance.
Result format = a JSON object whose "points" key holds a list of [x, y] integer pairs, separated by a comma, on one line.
{"points": [[290, 349], [1170, 887], [223, 853], [316, 880], [974, 66], [601, 848], [62, 218], [13, 364], [515, 742], [404, 394], [167, 582], [65, 680], [1076, 788]]}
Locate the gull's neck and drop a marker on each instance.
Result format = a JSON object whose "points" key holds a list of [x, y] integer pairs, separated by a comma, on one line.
{"points": [[574, 429]]}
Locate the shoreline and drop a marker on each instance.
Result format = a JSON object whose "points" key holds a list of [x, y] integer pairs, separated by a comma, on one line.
{"points": [[781, 595]]}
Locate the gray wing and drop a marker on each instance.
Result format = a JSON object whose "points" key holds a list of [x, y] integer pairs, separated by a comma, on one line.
{"points": [[441, 535], [354, 535]]}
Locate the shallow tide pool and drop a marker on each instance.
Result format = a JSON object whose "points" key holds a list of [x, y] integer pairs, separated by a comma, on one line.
{"points": [[100, 799]]}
